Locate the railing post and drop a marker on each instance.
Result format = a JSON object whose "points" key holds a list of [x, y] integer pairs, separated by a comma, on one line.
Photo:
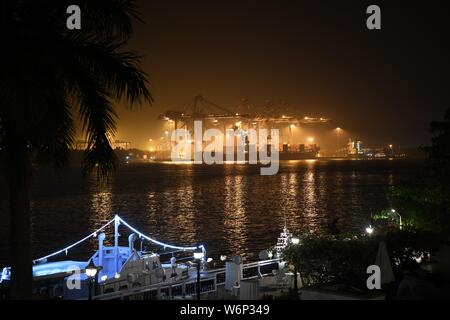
{"points": [[116, 243]]}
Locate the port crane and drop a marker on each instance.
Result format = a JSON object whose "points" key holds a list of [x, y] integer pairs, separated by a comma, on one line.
{"points": [[203, 109]]}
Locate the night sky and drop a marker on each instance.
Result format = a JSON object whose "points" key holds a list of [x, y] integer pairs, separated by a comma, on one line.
{"points": [[316, 58]]}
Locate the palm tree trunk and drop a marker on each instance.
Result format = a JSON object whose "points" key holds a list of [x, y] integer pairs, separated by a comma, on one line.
{"points": [[18, 170]]}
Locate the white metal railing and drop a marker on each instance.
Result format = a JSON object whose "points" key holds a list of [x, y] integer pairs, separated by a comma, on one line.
{"points": [[188, 287]]}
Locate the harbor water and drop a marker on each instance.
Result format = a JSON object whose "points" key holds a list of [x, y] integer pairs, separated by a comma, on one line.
{"points": [[231, 209]]}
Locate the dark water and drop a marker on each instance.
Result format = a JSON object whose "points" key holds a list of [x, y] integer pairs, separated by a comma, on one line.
{"points": [[231, 209]]}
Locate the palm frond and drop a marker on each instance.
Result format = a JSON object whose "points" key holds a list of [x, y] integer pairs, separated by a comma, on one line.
{"points": [[108, 19], [120, 73], [55, 135]]}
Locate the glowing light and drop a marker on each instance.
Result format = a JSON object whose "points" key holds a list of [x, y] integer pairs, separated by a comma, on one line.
{"points": [[223, 258], [370, 230], [104, 278], [199, 255], [91, 270], [120, 221], [295, 241], [66, 249], [311, 139], [165, 245], [306, 118]]}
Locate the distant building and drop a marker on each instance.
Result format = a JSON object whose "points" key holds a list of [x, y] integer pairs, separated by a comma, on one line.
{"points": [[354, 148]]}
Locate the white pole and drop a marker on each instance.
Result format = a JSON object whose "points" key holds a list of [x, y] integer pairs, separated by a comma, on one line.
{"points": [[116, 244]]}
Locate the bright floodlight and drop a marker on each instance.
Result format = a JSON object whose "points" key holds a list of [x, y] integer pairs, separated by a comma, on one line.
{"points": [[370, 230], [295, 241], [91, 270], [393, 211], [223, 258], [199, 255]]}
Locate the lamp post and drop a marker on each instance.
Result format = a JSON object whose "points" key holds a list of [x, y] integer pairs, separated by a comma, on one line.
{"points": [[338, 133], [295, 241], [91, 272], [198, 256], [400, 217]]}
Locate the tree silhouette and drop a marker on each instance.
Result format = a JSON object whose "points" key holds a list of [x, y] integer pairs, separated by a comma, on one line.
{"points": [[425, 200], [51, 77]]}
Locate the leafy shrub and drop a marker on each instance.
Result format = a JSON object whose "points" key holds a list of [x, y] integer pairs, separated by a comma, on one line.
{"points": [[330, 259], [326, 259]]}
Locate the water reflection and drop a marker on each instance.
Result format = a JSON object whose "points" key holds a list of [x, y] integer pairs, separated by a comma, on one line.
{"points": [[289, 210], [151, 207], [101, 209], [101, 206], [235, 218], [310, 201], [231, 209], [184, 218]]}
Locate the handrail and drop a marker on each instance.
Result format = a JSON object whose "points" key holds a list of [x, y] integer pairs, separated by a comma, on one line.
{"points": [[211, 273], [248, 265]]}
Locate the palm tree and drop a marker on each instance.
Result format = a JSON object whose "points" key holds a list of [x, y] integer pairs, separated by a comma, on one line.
{"points": [[50, 77]]}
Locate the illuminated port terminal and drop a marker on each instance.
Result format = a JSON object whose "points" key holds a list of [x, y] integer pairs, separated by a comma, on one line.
{"points": [[215, 116]]}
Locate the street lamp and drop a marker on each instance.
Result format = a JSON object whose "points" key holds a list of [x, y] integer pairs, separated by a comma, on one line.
{"points": [[198, 256], [295, 241], [370, 230], [91, 272], [400, 217], [338, 132]]}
